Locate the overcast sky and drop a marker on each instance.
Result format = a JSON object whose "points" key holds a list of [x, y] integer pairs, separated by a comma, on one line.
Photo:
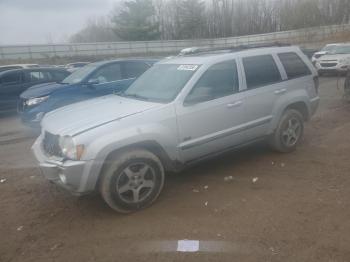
{"points": [[38, 21]]}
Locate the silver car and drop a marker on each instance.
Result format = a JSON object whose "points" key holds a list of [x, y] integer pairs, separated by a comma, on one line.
{"points": [[179, 112]]}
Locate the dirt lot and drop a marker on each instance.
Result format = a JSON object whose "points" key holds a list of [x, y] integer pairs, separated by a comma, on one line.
{"points": [[298, 210]]}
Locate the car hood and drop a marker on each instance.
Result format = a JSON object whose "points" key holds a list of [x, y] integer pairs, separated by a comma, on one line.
{"points": [[77, 118], [41, 90], [335, 57]]}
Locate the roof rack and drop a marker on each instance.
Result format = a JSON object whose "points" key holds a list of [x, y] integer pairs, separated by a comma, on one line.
{"points": [[230, 49]]}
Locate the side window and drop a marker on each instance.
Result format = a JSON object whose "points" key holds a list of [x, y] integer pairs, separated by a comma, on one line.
{"points": [[218, 81], [135, 69], [107, 74], [57, 75], [294, 65], [261, 71], [37, 76], [11, 78]]}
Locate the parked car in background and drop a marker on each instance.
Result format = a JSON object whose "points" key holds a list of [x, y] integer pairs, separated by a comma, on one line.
{"points": [[336, 61], [93, 80], [75, 66], [179, 112], [325, 50], [18, 66], [14, 82], [309, 52]]}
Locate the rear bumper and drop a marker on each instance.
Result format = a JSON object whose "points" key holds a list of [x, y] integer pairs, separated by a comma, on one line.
{"points": [[68, 174]]}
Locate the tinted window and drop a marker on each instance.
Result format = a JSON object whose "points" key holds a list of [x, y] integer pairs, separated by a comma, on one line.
{"points": [[108, 73], [218, 81], [294, 66], [11, 78], [135, 69], [38, 76], [261, 71], [58, 75]]}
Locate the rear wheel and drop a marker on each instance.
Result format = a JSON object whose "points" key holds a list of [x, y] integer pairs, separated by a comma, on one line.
{"points": [[132, 180], [289, 132]]}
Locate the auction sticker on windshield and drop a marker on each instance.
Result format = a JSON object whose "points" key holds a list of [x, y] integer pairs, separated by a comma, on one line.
{"points": [[188, 67]]}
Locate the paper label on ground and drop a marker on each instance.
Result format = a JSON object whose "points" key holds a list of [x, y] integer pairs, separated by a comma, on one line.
{"points": [[188, 246]]}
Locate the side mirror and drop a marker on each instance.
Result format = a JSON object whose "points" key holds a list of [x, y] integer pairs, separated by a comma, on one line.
{"points": [[199, 94], [92, 82]]}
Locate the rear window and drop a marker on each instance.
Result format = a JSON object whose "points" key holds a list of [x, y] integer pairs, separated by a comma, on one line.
{"points": [[294, 65], [261, 71]]}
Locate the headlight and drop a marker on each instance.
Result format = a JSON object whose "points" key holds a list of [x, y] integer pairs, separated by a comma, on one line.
{"points": [[70, 149], [36, 100], [344, 61]]}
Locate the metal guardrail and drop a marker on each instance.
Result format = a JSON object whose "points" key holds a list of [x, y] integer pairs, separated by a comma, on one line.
{"points": [[162, 47]]}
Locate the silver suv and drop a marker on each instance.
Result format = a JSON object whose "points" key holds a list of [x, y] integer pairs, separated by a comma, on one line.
{"points": [[181, 111]]}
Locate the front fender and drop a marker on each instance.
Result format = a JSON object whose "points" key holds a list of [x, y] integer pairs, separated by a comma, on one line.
{"points": [[103, 146]]}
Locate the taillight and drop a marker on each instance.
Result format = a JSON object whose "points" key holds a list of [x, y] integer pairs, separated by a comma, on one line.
{"points": [[317, 83]]}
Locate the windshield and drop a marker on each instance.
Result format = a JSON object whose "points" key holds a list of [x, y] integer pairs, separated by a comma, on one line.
{"points": [[343, 49], [79, 75], [329, 48], [161, 83]]}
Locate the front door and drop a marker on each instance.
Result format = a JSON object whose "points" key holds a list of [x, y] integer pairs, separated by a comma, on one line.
{"points": [[210, 117]]}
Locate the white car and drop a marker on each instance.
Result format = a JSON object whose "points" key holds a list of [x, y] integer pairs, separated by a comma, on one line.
{"points": [[179, 112], [337, 61], [325, 50]]}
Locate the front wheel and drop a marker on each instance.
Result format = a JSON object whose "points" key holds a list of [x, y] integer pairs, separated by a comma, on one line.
{"points": [[289, 132], [132, 180]]}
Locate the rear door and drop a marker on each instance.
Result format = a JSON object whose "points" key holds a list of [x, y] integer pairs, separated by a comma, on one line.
{"points": [[298, 73], [11, 86], [263, 84]]}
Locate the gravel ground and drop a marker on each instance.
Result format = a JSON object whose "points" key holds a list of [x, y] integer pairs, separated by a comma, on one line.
{"points": [[298, 209]]}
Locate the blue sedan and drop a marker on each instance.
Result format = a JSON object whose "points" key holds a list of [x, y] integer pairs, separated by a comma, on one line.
{"points": [[93, 80]]}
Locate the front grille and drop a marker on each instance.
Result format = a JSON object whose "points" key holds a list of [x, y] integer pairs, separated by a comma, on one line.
{"points": [[328, 64], [51, 145]]}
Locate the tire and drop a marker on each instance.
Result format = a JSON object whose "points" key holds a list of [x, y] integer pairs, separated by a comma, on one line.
{"points": [[284, 140], [132, 180]]}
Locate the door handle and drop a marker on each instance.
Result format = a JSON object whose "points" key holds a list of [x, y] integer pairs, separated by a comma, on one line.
{"points": [[235, 104], [280, 91]]}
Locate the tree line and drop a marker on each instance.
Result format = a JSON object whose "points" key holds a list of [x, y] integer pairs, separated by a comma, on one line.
{"points": [[133, 20]]}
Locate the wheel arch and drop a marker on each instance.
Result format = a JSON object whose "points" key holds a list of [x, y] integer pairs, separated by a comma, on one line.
{"points": [[301, 107], [298, 103], [150, 145]]}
